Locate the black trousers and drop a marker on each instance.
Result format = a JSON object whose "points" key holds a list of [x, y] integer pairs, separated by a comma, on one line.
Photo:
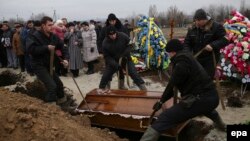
{"points": [[21, 62], [171, 117], [28, 63], [59, 69], [3, 56], [208, 64], [75, 72], [91, 66], [53, 83], [109, 71]]}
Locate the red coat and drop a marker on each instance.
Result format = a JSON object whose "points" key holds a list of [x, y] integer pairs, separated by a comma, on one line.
{"points": [[59, 31]]}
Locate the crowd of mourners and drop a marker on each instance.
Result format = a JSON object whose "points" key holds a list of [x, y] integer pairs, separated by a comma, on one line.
{"points": [[83, 47]]}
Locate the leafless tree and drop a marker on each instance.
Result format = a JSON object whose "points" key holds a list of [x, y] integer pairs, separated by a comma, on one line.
{"points": [[178, 16], [211, 10], [162, 17], [37, 16], [152, 12], [242, 6]]}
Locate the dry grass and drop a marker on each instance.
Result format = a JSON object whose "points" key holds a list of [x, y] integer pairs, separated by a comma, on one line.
{"points": [[178, 32]]}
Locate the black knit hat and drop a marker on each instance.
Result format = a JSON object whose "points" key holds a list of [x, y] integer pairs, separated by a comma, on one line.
{"points": [[111, 16], [37, 23], [200, 14], [85, 23], [70, 24], [174, 45], [111, 30]]}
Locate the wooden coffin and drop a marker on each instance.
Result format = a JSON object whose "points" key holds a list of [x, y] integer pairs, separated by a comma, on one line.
{"points": [[123, 109]]}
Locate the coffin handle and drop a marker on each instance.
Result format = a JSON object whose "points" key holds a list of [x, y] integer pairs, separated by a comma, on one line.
{"points": [[90, 115], [142, 125]]}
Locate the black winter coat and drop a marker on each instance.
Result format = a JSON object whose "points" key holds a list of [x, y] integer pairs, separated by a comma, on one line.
{"points": [[102, 34], [188, 76], [115, 49], [213, 34], [37, 45]]}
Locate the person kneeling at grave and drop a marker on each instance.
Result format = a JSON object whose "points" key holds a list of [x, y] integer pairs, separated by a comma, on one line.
{"points": [[198, 92]]}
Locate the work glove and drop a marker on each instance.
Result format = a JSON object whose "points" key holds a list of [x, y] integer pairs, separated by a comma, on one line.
{"points": [[157, 105]]}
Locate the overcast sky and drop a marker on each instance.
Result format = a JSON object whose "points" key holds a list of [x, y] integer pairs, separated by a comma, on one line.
{"points": [[93, 9]]}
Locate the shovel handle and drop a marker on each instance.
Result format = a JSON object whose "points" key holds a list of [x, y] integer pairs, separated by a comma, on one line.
{"points": [[151, 117], [52, 52]]}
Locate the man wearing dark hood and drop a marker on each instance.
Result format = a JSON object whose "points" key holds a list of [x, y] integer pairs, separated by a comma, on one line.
{"points": [[114, 21], [115, 47]]}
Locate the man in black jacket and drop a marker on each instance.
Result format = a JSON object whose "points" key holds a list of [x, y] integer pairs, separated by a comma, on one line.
{"points": [[40, 44], [206, 35], [116, 46], [113, 21], [190, 78], [3, 53]]}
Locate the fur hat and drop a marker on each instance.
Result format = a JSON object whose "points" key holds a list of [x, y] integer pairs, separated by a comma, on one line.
{"points": [[58, 22], [174, 45], [200, 14], [111, 16]]}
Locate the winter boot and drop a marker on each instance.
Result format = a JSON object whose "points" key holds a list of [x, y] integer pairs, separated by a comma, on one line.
{"points": [[142, 87], [121, 85], [219, 124], [50, 98], [150, 135], [61, 100], [65, 105], [108, 85]]}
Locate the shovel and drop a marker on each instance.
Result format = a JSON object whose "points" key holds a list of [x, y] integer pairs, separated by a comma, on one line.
{"points": [[52, 52], [81, 93]]}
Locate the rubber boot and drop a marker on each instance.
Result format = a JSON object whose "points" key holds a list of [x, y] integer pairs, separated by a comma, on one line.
{"points": [[219, 124], [121, 85], [142, 87], [150, 135]]}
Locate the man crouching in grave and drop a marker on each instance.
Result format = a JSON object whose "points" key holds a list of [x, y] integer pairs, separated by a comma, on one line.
{"points": [[198, 94], [116, 51], [40, 45]]}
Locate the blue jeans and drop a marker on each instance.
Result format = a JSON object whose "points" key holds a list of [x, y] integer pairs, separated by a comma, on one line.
{"points": [[12, 58]]}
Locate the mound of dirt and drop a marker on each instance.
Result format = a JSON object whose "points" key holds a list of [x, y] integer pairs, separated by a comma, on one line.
{"points": [[23, 118]]}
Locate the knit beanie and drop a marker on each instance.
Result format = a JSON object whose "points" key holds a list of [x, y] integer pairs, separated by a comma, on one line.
{"points": [[174, 45], [200, 14], [70, 24], [111, 16]]}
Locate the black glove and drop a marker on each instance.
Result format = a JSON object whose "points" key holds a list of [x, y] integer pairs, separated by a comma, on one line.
{"points": [[157, 106], [92, 50]]}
